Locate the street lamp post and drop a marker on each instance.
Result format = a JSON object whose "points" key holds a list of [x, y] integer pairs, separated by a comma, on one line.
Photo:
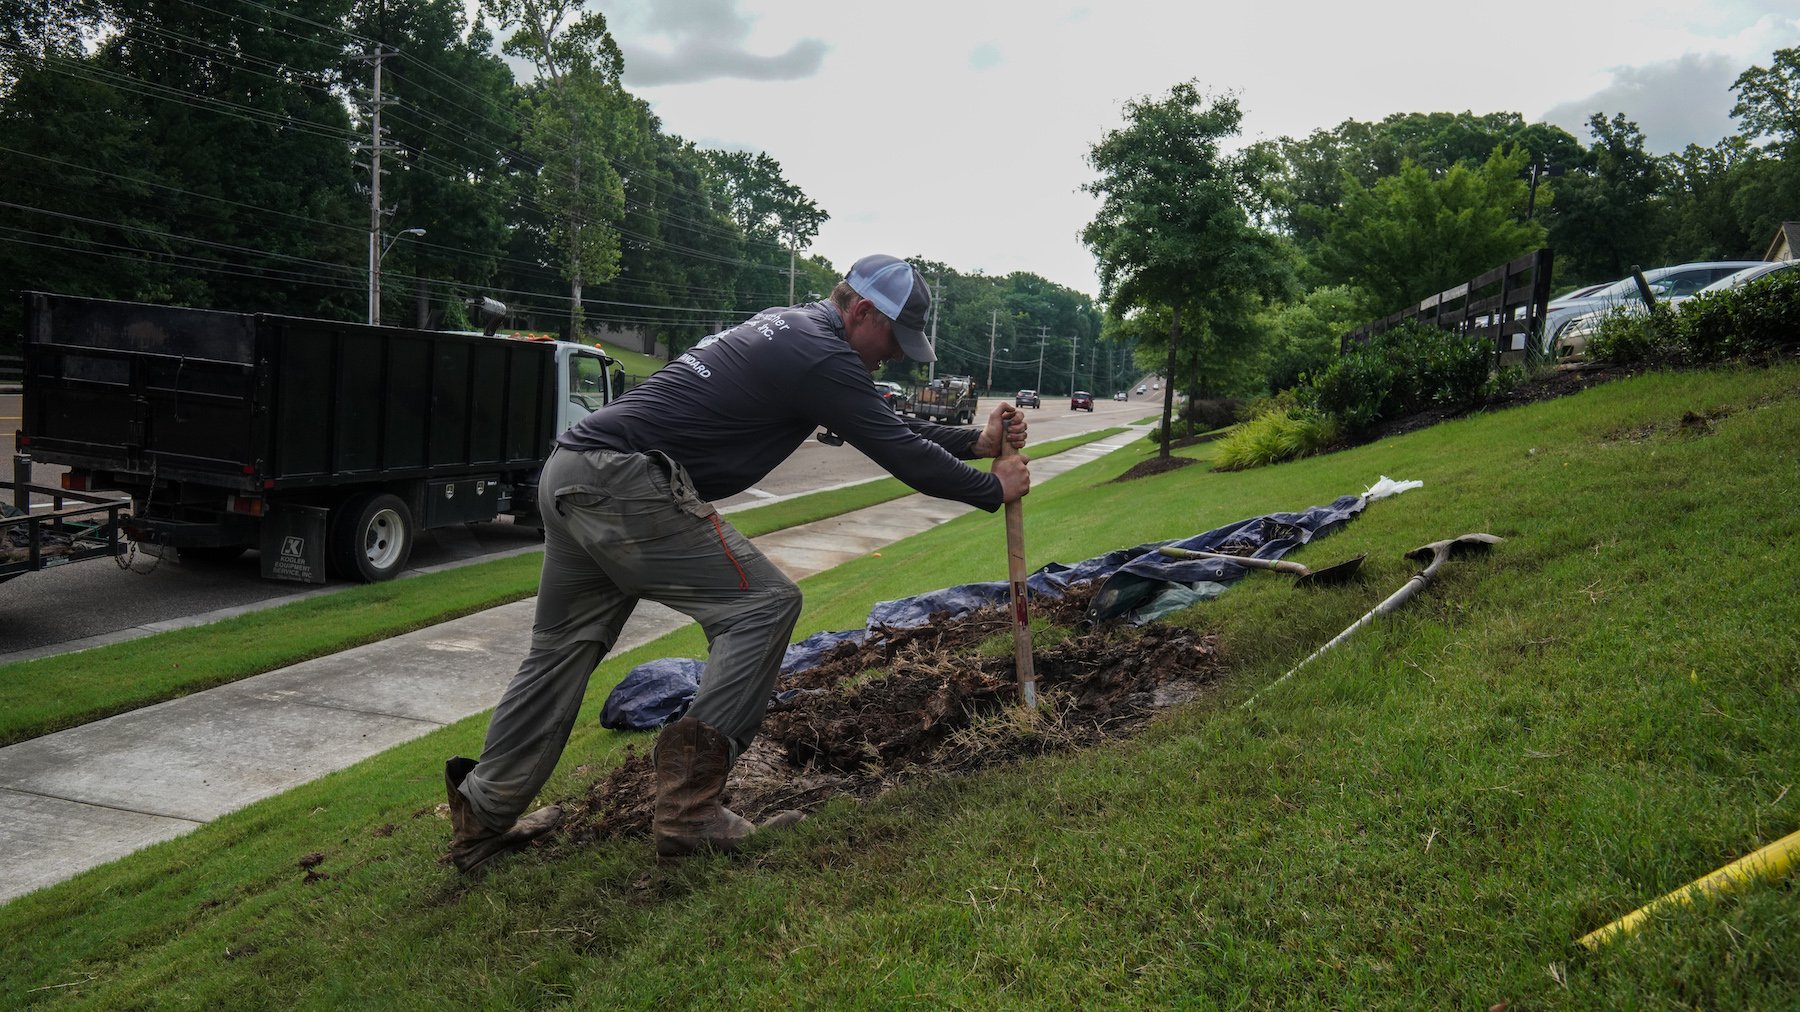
{"points": [[1536, 171], [375, 260]]}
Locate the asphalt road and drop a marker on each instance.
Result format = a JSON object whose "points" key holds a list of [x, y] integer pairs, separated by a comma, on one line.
{"points": [[76, 605]]}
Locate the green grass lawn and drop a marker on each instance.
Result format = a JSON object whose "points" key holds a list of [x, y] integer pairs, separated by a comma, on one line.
{"points": [[634, 363], [1599, 711]]}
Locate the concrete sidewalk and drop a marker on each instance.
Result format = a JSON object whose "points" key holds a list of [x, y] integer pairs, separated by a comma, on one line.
{"points": [[79, 798]]}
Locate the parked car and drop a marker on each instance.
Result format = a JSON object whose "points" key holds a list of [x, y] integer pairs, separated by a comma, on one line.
{"points": [[1028, 399], [1081, 400], [1572, 340], [1747, 275], [895, 396], [1677, 282]]}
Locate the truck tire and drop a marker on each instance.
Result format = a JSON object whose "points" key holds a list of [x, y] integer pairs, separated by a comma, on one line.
{"points": [[371, 537], [962, 418]]}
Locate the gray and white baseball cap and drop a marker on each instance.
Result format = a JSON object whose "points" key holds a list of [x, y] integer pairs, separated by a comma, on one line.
{"points": [[900, 292]]}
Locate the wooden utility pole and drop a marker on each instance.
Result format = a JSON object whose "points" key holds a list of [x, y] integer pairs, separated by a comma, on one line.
{"points": [[993, 329]]}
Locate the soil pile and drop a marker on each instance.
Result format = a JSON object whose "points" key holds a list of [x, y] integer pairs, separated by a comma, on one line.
{"points": [[941, 698]]}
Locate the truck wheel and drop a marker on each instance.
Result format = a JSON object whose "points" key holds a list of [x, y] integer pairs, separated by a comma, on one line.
{"points": [[371, 538], [962, 418]]}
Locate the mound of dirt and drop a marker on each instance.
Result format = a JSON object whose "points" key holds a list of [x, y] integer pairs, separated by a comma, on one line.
{"points": [[926, 702]]}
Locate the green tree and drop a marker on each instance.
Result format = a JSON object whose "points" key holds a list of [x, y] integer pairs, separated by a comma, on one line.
{"points": [[1174, 229], [451, 118], [1301, 336], [679, 258], [1768, 106], [574, 113], [194, 156], [1410, 235], [1606, 213], [778, 218], [1701, 202], [1308, 188], [1768, 99]]}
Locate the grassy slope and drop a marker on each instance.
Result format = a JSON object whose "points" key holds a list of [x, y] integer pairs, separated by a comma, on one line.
{"points": [[1598, 712]]}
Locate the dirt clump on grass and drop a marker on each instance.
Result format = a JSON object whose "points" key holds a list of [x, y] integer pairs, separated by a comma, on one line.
{"points": [[931, 701]]}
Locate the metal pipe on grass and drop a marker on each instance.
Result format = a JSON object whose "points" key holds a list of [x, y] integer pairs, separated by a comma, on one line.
{"points": [[1768, 863]]}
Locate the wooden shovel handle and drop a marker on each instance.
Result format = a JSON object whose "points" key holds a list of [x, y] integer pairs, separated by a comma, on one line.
{"points": [[1023, 664], [1248, 562]]}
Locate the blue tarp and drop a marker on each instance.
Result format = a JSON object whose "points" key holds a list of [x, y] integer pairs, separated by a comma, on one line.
{"points": [[658, 692], [1139, 582]]}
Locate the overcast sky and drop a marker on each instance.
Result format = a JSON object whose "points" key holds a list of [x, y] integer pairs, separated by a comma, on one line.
{"points": [[959, 129]]}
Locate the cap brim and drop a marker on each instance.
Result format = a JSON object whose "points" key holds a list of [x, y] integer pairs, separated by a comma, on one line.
{"points": [[914, 344]]}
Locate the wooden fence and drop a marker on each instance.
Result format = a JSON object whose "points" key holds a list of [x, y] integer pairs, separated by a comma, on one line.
{"points": [[1505, 305]]}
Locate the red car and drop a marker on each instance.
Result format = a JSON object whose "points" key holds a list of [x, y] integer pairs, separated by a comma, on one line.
{"points": [[1081, 400]]}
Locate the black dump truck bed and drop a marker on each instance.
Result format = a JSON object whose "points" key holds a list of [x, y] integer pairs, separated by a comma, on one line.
{"points": [[258, 402], [232, 431]]}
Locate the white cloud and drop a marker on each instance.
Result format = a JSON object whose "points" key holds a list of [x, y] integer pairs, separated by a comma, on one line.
{"points": [[703, 40], [959, 131], [1675, 103]]}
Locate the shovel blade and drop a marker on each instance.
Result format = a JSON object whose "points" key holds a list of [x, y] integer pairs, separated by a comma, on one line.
{"points": [[1336, 573], [1453, 547]]}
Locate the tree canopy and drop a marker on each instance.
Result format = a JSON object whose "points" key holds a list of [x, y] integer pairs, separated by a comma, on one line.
{"points": [[1175, 227], [1412, 234]]}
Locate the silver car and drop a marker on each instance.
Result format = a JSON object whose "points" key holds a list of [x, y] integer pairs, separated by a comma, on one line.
{"points": [[1677, 282], [1749, 274], [1572, 339]]}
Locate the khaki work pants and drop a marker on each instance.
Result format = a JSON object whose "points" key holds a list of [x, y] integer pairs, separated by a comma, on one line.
{"points": [[619, 527]]}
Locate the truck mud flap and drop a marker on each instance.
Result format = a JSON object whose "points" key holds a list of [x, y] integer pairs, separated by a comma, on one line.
{"points": [[293, 544]]}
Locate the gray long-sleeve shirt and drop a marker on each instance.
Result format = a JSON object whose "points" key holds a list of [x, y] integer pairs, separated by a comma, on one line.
{"points": [[733, 408]]}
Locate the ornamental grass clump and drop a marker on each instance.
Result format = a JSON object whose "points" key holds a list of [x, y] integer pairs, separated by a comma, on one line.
{"points": [[1273, 437]]}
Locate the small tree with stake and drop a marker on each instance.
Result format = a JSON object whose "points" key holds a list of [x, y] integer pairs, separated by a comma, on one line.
{"points": [[1175, 226]]}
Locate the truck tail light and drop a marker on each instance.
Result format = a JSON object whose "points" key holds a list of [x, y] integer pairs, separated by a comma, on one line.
{"points": [[249, 505], [74, 481]]}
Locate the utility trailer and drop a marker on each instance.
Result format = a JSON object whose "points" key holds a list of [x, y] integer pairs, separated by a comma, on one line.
{"points": [[78, 526], [326, 445], [949, 400]]}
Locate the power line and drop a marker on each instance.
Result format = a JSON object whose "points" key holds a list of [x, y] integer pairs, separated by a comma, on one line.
{"points": [[324, 264], [138, 255], [526, 265], [263, 117]]}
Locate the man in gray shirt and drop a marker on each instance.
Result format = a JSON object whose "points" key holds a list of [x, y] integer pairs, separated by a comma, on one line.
{"points": [[626, 502]]}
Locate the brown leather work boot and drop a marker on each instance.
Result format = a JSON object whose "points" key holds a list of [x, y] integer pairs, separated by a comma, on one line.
{"points": [[473, 844], [691, 760]]}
